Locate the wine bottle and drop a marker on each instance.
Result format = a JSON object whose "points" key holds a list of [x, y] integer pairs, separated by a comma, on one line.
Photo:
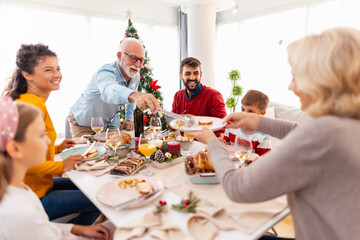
{"points": [[138, 122]]}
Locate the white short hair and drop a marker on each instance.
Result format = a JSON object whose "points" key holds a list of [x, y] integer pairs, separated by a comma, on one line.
{"points": [[125, 42]]}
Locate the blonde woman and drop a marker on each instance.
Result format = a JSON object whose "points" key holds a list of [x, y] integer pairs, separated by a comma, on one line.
{"points": [[317, 165], [23, 143]]}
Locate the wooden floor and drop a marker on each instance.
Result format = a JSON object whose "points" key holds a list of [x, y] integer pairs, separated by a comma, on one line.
{"points": [[285, 228]]}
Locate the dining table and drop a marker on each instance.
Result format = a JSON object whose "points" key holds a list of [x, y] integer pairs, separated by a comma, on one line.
{"points": [[253, 219]]}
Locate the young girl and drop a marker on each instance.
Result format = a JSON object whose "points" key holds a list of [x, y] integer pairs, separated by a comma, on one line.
{"points": [[23, 143], [38, 74]]}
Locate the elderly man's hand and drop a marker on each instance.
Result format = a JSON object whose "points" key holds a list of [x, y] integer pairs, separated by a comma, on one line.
{"points": [[144, 101], [128, 125]]}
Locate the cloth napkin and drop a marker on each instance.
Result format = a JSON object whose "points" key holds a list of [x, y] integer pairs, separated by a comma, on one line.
{"points": [[159, 226], [208, 220], [93, 167]]}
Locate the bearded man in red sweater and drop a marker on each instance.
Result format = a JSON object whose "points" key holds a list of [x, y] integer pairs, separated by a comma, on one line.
{"points": [[197, 99]]}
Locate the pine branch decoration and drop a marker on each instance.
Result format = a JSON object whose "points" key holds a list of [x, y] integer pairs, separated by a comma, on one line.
{"points": [[187, 205]]}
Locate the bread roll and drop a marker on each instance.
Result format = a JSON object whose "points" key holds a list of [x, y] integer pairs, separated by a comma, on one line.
{"points": [[126, 138], [205, 122], [144, 187]]}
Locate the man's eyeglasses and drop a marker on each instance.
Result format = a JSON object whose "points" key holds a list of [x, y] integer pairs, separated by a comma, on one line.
{"points": [[134, 59]]}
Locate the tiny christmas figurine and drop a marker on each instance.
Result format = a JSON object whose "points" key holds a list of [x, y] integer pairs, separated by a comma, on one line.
{"points": [[160, 208], [187, 205]]}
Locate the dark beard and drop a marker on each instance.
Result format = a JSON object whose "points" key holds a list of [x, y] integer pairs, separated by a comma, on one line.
{"points": [[192, 90]]}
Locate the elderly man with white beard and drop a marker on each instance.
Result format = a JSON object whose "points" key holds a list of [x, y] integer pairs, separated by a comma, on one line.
{"points": [[113, 86]]}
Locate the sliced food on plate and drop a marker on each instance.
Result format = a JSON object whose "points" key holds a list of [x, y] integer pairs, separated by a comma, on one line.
{"points": [[129, 190], [92, 153], [205, 121]]}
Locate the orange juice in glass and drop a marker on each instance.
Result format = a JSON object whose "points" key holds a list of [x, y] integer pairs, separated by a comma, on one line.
{"points": [[147, 149]]}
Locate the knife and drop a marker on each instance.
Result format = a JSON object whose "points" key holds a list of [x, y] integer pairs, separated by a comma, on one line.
{"points": [[124, 204], [87, 150]]}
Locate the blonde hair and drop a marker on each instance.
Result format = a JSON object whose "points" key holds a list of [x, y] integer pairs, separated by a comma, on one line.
{"points": [[327, 68], [27, 114]]}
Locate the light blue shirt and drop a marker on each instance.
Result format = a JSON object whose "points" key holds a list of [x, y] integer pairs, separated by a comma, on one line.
{"points": [[104, 96]]}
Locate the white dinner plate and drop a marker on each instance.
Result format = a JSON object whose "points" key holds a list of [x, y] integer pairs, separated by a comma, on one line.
{"points": [[111, 194], [80, 150], [216, 125]]}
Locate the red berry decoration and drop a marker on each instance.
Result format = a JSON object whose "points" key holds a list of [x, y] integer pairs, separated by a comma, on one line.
{"points": [[143, 180], [164, 202], [135, 34], [145, 67], [160, 202], [127, 33]]}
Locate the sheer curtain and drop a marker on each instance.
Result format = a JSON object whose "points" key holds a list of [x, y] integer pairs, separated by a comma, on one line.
{"points": [[252, 46], [83, 44]]}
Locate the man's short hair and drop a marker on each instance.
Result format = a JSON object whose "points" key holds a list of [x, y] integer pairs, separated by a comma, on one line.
{"points": [[191, 61], [257, 98], [125, 42]]}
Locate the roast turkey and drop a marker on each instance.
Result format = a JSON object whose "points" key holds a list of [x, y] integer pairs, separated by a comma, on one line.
{"points": [[201, 163]]}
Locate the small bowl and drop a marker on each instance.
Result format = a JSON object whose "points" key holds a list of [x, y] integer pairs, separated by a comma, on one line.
{"points": [[121, 151]]}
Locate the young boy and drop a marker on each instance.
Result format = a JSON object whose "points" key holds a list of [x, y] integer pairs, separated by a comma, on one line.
{"points": [[253, 102]]}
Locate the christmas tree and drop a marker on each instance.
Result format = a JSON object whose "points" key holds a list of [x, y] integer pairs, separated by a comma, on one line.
{"points": [[147, 83]]}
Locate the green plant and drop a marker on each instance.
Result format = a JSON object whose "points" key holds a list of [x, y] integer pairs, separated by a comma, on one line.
{"points": [[237, 90]]}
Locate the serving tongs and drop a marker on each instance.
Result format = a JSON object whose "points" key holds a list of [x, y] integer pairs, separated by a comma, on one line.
{"points": [[186, 120]]}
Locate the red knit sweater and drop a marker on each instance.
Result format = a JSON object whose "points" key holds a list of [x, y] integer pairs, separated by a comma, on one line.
{"points": [[209, 102]]}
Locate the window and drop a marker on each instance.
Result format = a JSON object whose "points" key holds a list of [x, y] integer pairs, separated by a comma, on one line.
{"points": [[83, 44], [252, 46]]}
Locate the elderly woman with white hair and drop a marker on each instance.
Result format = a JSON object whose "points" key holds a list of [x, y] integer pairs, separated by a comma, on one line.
{"points": [[317, 164]]}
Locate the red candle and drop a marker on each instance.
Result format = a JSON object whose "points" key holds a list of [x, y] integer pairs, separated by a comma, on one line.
{"points": [[174, 148]]}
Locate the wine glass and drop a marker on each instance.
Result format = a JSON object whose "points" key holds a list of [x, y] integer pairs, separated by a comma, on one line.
{"points": [[113, 138], [155, 125], [243, 142], [146, 149], [97, 125], [191, 139]]}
